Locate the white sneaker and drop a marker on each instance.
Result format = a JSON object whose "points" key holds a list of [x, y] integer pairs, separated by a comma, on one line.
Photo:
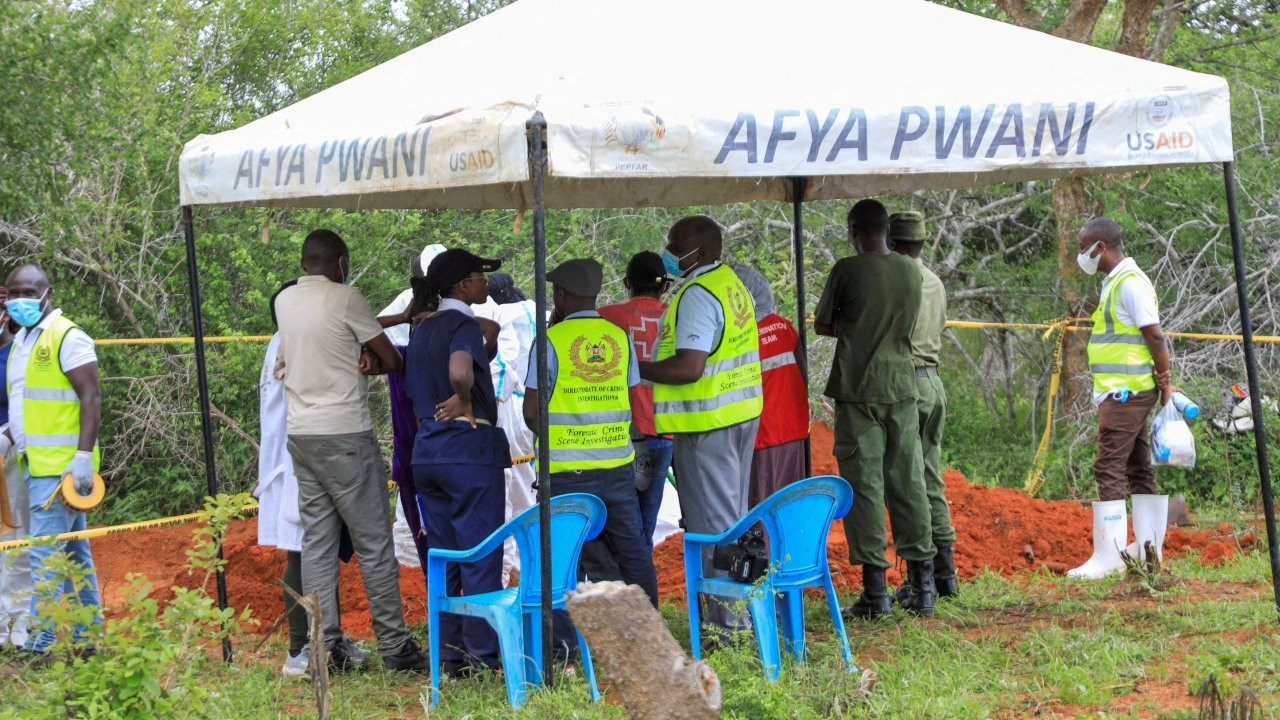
{"points": [[297, 665]]}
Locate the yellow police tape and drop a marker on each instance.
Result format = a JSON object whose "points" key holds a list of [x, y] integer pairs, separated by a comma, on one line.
{"points": [[955, 324], [1035, 476], [161, 522]]}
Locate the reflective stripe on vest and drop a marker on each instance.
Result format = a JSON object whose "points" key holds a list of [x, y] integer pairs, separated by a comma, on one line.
{"points": [[590, 408], [1118, 354], [50, 406], [729, 391]]}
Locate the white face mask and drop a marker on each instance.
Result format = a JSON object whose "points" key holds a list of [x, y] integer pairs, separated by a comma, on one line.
{"points": [[1090, 264]]}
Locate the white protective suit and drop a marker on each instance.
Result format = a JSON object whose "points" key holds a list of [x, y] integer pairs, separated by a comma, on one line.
{"points": [[15, 565], [515, 339]]}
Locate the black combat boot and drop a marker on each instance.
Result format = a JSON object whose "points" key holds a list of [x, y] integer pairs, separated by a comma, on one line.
{"points": [[944, 572], [921, 593], [874, 600]]}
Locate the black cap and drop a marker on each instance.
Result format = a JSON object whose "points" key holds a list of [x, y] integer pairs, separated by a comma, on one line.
{"points": [[452, 266], [581, 277], [646, 269]]}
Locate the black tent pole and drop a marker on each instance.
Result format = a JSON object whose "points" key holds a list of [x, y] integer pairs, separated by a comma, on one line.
{"points": [[536, 129], [206, 414], [1251, 372], [797, 249]]}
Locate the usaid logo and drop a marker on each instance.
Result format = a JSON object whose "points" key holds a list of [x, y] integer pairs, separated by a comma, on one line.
{"points": [[1160, 111]]}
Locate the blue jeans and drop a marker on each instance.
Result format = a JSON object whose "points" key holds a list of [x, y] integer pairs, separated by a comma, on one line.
{"points": [[653, 459], [620, 552], [56, 520]]}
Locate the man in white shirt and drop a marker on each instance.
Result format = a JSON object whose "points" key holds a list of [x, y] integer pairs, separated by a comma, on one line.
{"points": [[324, 324], [55, 412], [1130, 365]]}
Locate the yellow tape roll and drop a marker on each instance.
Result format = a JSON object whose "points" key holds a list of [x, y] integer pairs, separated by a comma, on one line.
{"points": [[75, 500]]}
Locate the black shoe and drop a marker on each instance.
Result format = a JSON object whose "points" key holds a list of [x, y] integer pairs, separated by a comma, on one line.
{"points": [[921, 592], [409, 658], [944, 572], [944, 577], [340, 661], [874, 600]]}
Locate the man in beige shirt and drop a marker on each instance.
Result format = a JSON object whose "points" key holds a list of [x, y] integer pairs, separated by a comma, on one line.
{"points": [[907, 235], [329, 342]]}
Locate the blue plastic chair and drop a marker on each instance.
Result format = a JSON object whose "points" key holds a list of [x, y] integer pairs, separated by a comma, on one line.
{"points": [[796, 520], [516, 613]]}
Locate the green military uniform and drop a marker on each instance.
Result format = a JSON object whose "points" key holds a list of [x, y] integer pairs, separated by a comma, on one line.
{"points": [[931, 399], [873, 301]]}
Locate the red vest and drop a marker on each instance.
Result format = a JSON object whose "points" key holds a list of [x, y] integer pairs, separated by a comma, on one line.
{"points": [[641, 319], [786, 400]]}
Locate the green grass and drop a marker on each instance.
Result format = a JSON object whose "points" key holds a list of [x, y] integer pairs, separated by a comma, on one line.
{"points": [[1032, 645]]}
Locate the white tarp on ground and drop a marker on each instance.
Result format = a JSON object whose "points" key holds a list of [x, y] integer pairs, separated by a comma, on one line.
{"points": [[679, 102]]}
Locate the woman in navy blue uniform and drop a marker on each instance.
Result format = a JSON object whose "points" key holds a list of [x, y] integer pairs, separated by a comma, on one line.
{"points": [[459, 453]]}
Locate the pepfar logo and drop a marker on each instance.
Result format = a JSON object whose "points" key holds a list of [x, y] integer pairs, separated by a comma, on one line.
{"points": [[1158, 132], [1160, 110]]}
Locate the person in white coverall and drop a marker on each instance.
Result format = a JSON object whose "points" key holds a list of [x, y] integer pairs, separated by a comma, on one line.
{"points": [[507, 306], [408, 530], [15, 565]]}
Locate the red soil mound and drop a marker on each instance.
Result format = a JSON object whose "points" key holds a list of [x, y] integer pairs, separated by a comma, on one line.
{"points": [[998, 529]]}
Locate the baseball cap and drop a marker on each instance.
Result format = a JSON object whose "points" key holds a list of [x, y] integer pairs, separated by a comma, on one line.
{"points": [[452, 266], [581, 277], [645, 269]]}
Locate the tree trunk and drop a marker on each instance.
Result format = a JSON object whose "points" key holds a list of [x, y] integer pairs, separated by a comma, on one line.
{"points": [[1070, 209], [635, 653]]}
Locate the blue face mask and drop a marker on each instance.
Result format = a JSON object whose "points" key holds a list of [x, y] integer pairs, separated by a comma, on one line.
{"points": [[671, 263], [26, 311], [346, 275]]}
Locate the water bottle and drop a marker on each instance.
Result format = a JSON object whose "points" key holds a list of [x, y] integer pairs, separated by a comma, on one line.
{"points": [[1121, 395], [1189, 409], [1161, 453]]}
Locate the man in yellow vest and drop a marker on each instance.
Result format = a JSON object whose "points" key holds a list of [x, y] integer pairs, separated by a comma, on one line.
{"points": [[591, 367], [55, 411], [1130, 365], [707, 390]]}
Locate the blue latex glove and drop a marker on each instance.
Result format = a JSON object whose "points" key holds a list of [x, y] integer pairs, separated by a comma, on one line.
{"points": [[82, 469]]}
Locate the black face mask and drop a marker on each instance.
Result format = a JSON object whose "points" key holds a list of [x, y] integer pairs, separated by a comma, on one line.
{"points": [[556, 316]]}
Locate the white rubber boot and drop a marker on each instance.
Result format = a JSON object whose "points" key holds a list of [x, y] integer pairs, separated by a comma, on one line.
{"points": [[1150, 519], [1110, 530]]}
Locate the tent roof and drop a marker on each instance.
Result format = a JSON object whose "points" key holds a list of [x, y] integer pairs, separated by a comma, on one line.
{"points": [[671, 102]]}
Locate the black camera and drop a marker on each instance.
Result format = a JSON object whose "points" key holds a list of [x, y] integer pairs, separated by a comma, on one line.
{"points": [[746, 560]]}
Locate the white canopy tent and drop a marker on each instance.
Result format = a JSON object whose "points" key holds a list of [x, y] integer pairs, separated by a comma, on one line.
{"points": [[675, 103], [682, 103]]}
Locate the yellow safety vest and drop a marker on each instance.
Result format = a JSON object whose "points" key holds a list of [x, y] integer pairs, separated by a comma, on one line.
{"points": [[729, 391], [50, 406], [590, 406], [1118, 354]]}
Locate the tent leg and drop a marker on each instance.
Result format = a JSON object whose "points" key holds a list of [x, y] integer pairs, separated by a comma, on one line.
{"points": [[797, 249], [206, 414], [1251, 372], [536, 129]]}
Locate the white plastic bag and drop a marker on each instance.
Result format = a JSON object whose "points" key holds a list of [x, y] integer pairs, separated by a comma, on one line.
{"points": [[1172, 444]]}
